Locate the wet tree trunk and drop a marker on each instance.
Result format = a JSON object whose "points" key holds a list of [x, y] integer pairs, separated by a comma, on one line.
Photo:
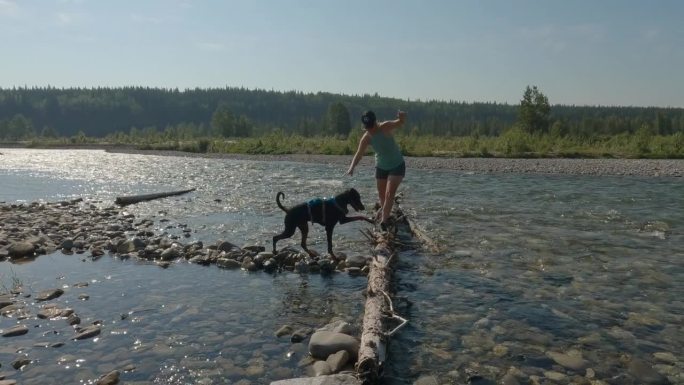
{"points": [[373, 348]]}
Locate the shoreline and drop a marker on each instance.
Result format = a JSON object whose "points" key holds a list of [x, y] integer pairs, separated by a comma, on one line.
{"points": [[545, 166]]}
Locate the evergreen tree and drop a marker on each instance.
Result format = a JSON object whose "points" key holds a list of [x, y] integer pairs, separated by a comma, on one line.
{"points": [[533, 115]]}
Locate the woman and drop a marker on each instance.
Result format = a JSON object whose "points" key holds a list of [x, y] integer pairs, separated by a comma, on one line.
{"points": [[390, 167]]}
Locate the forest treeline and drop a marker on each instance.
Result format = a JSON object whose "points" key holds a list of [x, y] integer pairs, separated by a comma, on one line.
{"points": [[48, 112]]}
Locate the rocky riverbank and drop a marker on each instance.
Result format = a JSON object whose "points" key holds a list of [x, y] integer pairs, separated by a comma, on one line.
{"points": [[561, 166], [83, 229]]}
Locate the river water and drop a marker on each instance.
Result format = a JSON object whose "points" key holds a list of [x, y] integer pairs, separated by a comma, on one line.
{"points": [[584, 266]]}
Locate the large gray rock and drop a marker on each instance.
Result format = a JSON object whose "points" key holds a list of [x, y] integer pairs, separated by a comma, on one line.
{"points": [[324, 343], [21, 250]]}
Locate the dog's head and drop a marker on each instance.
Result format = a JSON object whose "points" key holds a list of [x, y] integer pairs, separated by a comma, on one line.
{"points": [[351, 197]]}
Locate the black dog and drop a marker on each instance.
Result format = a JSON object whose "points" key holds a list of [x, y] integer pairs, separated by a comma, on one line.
{"points": [[326, 212]]}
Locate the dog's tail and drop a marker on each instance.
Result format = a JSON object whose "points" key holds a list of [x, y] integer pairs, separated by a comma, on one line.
{"points": [[278, 201]]}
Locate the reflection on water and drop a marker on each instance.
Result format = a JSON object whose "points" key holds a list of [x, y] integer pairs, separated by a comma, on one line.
{"points": [[590, 267]]}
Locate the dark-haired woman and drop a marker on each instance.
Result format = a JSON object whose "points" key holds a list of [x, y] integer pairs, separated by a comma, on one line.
{"points": [[390, 167]]}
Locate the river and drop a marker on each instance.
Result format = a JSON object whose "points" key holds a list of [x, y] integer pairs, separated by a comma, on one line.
{"points": [[586, 268]]}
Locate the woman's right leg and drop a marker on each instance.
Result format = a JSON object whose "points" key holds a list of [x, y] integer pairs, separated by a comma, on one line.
{"points": [[382, 189]]}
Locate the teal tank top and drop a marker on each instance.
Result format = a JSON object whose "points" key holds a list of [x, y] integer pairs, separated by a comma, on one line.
{"points": [[387, 152]]}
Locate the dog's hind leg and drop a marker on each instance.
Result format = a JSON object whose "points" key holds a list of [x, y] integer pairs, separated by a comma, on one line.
{"points": [[287, 233], [304, 228]]}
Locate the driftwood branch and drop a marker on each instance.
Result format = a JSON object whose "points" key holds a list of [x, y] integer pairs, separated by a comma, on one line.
{"points": [[127, 200], [421, 234], [394, 315]]}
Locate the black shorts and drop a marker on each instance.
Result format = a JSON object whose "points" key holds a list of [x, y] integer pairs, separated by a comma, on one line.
{"points": [[400, 170]]}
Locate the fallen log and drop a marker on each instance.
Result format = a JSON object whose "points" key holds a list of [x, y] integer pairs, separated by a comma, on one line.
{"points": [[127, 200], [379, 313]]}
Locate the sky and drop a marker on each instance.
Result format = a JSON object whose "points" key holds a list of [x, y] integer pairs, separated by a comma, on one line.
{"points": [[577, 52]]}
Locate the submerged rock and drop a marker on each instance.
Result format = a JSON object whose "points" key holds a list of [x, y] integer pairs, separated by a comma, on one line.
{"points": [[573, 362], [20, 362], [111, 378], [645, 373]]}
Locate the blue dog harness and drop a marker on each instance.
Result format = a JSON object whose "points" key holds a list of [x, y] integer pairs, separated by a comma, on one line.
{"points": [[312, 204]]}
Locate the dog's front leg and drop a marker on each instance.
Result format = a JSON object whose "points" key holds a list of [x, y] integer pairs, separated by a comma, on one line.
{"points": [[344, 220], [328, 234]]}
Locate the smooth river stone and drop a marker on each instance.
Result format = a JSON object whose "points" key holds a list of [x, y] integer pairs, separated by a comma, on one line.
{"points": [[15, 331]]}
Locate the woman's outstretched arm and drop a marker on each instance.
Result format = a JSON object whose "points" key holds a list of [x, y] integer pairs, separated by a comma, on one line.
{"points": [[363, 145]]}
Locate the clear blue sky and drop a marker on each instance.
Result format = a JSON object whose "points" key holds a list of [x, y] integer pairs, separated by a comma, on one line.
{"points": [[584, 52]]}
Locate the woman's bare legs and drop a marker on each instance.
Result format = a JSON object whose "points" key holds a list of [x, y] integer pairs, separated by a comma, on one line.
{"points": [[391, 186]]}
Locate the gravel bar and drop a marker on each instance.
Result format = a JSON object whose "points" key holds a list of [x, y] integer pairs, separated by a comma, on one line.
{"points": [[620, 167]]}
